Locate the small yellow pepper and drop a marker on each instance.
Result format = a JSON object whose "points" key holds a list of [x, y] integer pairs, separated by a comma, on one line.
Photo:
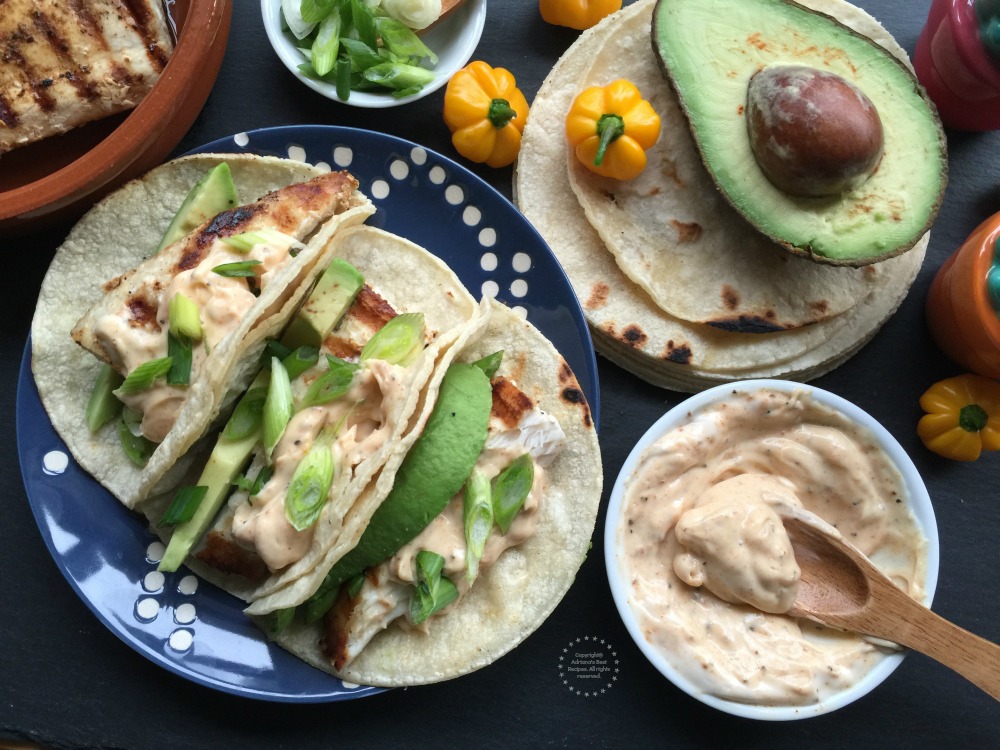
{"points": [[485, 112], [610, 127], [963, 417], [577, 14]]}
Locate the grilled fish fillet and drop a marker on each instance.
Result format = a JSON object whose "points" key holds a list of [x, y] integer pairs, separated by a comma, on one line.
{"points": [[64, 63]]}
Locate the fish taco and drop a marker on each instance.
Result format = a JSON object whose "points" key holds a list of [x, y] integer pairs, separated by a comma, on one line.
{"points": [[500, 544], [240, 270]]}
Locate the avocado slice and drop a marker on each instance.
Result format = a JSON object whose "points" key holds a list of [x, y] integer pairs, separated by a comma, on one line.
{"points": [[214, 193], [710, 51], [333, 294], [434, 470]]}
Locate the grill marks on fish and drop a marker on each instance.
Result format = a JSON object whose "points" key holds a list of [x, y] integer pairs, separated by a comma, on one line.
{"points": [[65, 63]]}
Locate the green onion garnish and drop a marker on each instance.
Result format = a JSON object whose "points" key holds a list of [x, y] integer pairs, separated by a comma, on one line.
{"points": [[276, 621], [143, 376], [179, 351], [184, 320], [401, 40], [241, 269], [247, 416], [433, 591], [310, 485], [278, 406], [398, 342], [511, 489], [300, 360], [332, 384], [273, 348], [137, 448], [246, 241], [323, 53], [477, 513], [490, 363], [184, 504], [354, 585]]}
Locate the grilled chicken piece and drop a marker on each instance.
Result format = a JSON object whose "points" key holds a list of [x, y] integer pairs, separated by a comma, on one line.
{"points": [[64, 63]]}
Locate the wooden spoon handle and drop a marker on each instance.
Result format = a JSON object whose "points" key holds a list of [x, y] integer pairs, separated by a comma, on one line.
{"points": [[975, 658]]}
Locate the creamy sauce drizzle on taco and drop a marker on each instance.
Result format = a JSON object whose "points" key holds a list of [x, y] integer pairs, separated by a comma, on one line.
{"points": [[365, 411], [222, 302]]}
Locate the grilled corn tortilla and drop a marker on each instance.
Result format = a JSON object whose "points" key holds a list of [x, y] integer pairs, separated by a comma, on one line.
{"points": [[401, 278], [628, 325], [512, 597], [119, 234]]}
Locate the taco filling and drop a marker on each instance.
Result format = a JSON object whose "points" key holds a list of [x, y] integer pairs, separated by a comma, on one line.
{"points": [[467, 537], [219, 272]]}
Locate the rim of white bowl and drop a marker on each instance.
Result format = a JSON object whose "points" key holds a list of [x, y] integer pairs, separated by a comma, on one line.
{"points": [[454, 40], [917, 498]]}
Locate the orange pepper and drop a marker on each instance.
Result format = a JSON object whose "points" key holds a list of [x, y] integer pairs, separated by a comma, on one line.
{"points": [[577, 14], [610, 127], [486, 113], [963, 417]]}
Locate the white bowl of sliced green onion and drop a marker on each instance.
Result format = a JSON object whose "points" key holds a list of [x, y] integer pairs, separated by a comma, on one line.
{"points": [[352, 51]]}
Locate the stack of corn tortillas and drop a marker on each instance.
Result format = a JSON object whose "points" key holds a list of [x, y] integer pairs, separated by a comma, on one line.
{"points": [[676, 286]]}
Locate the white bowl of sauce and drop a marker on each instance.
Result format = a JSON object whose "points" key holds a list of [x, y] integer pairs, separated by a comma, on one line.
{"points": [[693, 532]]}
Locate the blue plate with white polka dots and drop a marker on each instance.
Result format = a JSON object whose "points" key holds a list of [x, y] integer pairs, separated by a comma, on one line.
{"points": [[107, 553]]}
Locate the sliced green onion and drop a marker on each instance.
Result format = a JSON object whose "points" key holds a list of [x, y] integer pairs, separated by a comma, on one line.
{"points": [[364, 23], [398, 342], [399, 76], [354, 585], [291, 12], [314, 11], [179, 351], [477, 514], [133, 420], [184, 504], [300, 360], [137, 448], [276, 621], [246, 241], [400, 39], [320, 602], [359, 54], [433, 591], [247, 416], [102, 406], [143, 376], [274, 348], [184, 317], [490, 363], [344, 66], [332, 384], [241, 269], [310, 485], [323, 54], [278, 407], [262, 478], [511, 489]]}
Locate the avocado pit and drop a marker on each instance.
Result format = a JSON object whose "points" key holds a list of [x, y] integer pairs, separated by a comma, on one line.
{"points": [[812, 132]]}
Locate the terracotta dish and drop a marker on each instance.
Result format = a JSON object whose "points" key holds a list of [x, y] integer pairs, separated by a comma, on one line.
{"points": [[60, 177]]}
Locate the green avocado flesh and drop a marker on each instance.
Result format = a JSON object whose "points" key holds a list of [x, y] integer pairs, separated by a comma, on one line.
{"points": [[332, 295], [434, 470], [213, 194], [710, 50]]}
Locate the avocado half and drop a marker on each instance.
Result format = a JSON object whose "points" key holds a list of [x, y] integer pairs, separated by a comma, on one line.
{"points": [[709, 50]]}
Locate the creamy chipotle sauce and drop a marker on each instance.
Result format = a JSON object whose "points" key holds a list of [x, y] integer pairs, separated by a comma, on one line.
{"points": [[711, 567], [222, 303]]}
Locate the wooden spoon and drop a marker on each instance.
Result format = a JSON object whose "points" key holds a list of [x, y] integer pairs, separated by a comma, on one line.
{"points": [[447, 7], [840, 587]]}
